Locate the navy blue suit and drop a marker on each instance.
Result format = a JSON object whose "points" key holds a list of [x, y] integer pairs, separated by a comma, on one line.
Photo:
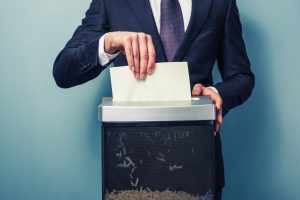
{"points": [[214, 33]]}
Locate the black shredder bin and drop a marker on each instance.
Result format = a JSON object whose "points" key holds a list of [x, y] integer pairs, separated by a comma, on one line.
{"points": [[158, 150]]}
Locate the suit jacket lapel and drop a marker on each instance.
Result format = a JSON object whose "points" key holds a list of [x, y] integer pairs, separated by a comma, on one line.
{"points": [[143, 12], [200, 11]]}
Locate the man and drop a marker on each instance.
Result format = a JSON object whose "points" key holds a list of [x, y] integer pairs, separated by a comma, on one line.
{"points": [[149, 31]]}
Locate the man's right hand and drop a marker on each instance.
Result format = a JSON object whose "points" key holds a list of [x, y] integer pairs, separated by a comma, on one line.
{"points": [[138, 48]]}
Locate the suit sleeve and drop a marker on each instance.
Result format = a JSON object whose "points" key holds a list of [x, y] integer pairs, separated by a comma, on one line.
{"points": [[238, 79], [78, 62]]}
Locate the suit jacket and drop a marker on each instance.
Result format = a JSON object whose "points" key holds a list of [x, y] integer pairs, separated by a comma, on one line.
{"points": [[214, 34]]}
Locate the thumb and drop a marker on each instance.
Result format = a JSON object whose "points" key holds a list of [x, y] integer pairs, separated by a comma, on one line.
{"points": [[197, 89]]}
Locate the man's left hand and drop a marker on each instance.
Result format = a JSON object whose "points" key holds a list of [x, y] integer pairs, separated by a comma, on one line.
{"points": [[198, 90]]}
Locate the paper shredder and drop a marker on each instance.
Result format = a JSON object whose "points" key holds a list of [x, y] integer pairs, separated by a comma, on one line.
{"points": [[158, 148]]}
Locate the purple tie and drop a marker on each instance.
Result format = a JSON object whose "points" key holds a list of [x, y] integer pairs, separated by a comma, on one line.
{"points": [[171, 27]]}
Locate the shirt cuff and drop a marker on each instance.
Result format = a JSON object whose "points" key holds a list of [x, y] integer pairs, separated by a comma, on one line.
{"points": [[104, 58], [213, 89]]}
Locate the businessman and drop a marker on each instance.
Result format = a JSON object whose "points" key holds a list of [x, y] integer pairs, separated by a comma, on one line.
{"points": [[139, 33]]}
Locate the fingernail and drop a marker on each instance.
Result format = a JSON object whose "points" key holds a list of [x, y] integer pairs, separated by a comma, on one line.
{"points": [[142, 75], [132, 68]]}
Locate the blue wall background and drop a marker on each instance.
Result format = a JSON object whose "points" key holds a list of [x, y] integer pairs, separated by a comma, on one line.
{"points": [[50, 137]]}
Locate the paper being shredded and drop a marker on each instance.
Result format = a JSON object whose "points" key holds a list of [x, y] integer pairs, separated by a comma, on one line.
{"points": [[169, 82]]}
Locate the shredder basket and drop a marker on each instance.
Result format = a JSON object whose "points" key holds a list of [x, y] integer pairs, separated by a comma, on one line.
{"points": [[159, 156]]}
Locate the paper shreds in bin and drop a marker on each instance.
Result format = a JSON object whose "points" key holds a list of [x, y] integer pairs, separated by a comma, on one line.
{"points": [[149, 195]]}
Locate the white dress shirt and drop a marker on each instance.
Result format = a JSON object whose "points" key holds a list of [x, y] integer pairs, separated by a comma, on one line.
{"points": [[186, 9]]}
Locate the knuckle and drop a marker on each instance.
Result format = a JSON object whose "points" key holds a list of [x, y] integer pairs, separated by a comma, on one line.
{"points": [[136, 54], [142, 35], [197, 86], [127, 39], [142, 70], [144, 56], [134, 35], [149, 37]]}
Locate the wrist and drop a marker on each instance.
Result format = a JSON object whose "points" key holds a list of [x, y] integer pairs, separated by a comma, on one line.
{"points": [[213, 89], [109, 46]]}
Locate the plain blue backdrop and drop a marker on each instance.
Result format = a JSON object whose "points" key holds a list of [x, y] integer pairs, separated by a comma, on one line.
{"points": [[50, 137]]}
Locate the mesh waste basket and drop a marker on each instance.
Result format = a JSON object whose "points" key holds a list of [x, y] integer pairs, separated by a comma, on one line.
{"points": [[158, 150]]}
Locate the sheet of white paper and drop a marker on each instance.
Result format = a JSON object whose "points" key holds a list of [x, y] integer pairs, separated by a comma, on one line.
{"points": [[169, 82]]}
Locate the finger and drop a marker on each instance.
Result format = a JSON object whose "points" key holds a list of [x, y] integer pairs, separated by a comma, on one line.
{"points": [[128, 52], [217, 127], [143, 55], [152, 55], [220, 116], [218, 101], [218, 121], [197, 89], [208, 92], [136, 51], [214, 96]]}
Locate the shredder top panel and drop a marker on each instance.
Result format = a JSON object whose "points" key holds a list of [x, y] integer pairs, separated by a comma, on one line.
{"points": [[197, 109]]}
